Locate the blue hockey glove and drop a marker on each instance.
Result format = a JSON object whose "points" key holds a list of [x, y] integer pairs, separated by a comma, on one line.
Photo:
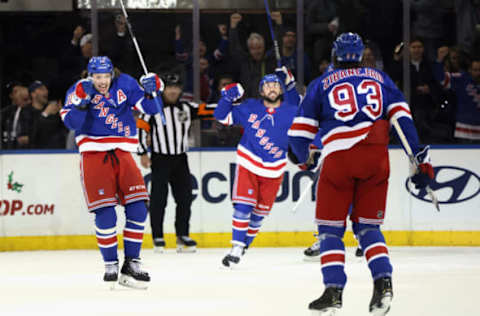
{"points": [[286, 76], [232, 92], [84, 91], [424, 173], [152, 83]]}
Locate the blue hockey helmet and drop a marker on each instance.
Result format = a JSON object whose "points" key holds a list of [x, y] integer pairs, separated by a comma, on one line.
{"points": [[348, 47], [270, 78], [100, 65]]}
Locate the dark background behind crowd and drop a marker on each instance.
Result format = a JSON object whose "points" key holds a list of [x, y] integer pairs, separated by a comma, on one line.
{"points": [[44, 53]]}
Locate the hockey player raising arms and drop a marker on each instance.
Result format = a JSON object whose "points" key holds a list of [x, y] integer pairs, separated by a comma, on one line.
{"points": [[261, 153], [99, 109], [352, 107]]}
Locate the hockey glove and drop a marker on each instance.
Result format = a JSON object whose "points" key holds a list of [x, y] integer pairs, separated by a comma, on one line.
{"points": [[232, 92], [424, 173], [313, 159], [286, 76], [152, 83], [84, 91]]}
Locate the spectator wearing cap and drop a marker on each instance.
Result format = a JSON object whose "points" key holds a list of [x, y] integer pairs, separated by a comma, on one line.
{"points": [[17, 118], [48, 131], [75, 57]]}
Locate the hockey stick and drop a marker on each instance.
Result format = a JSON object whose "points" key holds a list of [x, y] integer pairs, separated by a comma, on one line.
{"points": [[316, 173], [409, 152], [140, 56], [275, 42]]}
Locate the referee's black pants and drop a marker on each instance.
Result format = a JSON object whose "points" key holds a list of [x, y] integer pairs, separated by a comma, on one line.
{"points": [[173, 170]]}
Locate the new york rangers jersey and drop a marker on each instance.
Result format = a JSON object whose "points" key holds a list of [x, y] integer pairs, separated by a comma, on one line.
{"points": [[264, 144], [108, 121], [342, 106], [467, 115]]}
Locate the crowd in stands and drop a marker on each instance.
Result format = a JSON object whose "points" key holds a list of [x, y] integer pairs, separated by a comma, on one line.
{"points": [[443, 52]]}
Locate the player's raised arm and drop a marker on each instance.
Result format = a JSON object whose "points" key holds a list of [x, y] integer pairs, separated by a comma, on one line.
{"points": [[291, 95], [76, 102], [224, 111], [141, 97]]}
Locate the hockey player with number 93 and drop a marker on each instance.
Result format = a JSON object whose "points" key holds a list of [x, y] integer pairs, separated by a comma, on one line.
{"points": [[352, 107], [99, 109]]}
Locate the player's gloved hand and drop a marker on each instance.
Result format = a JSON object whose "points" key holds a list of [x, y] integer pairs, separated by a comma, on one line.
{"points": [[424, 174], [313, 159], [232, 92], [286, 76], [152, 83], [84, 90]]}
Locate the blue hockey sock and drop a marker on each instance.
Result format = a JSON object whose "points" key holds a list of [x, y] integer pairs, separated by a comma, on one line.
{"points": [[240, 222], [332, 255], [253, 227], [136, 214], [376, 253], [106, 232]]}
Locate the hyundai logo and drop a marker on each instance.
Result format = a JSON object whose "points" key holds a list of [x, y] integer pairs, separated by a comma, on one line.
{"points": [[451, 185]]}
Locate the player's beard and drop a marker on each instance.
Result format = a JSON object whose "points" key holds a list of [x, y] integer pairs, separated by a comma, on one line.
{"points": [[270, 100]]}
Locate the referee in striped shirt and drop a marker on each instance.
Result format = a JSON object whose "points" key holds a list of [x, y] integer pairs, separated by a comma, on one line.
{"points": [[168, 145]]}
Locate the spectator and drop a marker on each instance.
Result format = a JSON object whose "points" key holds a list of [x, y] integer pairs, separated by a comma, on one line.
{"points": [[466, 85], [119, 47], [425, 92], [48, 131], [428, 24], [17, 118], [321, 23], [252, 65], [371, 56], [467, 20], [76, 56], [208, 62]]}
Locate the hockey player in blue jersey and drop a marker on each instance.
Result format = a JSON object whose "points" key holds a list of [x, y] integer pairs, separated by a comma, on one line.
{"points": [[99, 109], [352, 107], [261, 153]]}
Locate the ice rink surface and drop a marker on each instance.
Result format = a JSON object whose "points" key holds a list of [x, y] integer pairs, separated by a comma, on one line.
{"points": [[269, 281]]}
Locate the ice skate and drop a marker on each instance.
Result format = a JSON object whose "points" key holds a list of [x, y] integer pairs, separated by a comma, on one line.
{"points": [[312, 253], [382, 296], [186, 244], [233, 257], [159, 245], [111, 275], [132, 276], [328, 304]]}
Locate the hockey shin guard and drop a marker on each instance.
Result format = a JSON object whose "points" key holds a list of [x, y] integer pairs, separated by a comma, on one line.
{"points": [[376, 253], [332, 255], [240, 222], [106, 232], [136, 214], [253, 227]]}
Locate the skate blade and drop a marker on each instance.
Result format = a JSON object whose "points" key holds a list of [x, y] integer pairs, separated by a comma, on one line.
{"points": [[182, 249], [330, 311], [159, 249], [128, 281], [311, 258], [384, 308]]}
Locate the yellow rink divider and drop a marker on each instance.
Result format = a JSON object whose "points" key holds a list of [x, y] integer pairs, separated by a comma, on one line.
{"points": [[264, 239]]}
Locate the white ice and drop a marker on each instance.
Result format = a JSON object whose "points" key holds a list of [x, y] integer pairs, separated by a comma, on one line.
{"points": [[268, 281]]}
